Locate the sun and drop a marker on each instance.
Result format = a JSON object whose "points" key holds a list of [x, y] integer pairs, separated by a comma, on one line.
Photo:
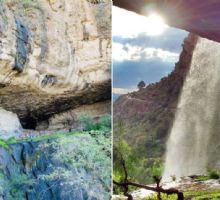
{"points": [[129, 24], [156, 24]]}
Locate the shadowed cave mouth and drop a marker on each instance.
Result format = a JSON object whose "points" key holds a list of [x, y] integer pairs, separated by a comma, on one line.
{"points": [[28, 123], [31, 122]]}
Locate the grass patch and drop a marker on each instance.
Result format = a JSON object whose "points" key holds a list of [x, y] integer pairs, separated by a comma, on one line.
{"points": [[101, 127], [53, 136], [203, 194], [5, 143], [201, 178], [191, 195], [212, 174]]}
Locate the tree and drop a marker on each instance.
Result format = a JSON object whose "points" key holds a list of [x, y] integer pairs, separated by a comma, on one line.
{"points": [[158, 189], [141, 85], [125, 166]]}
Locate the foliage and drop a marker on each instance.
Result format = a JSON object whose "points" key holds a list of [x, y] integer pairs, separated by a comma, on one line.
{"points": [[84, 157], [203, 194], [104, 123], [89, 161], [193, 195], [87, 122], [4, 143], [141, 85], [53, 136], [214, 174], [15, 186], [11, 140], [157, 169], [123, 153], [201, 178]]}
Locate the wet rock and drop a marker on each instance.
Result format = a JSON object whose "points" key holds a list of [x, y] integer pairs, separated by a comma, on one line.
{"points": [[21, 45]]}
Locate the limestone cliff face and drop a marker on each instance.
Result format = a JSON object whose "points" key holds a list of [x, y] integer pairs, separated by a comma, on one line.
{"points": [[55, 55]]}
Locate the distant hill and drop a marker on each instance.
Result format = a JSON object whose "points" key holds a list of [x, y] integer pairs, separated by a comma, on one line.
{"points": [[148, 114]]}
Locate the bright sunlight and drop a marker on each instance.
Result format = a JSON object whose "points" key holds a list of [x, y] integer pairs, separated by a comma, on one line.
{"points": [[134, 24]]}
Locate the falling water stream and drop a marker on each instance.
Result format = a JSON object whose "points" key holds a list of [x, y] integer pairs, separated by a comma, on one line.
{"points": [[194, 142]]}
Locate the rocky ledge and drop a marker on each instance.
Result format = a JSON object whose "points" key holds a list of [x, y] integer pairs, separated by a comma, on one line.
{"points": [[54, 56]]}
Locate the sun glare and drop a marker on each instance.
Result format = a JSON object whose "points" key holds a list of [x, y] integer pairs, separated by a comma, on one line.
{"points": [[129, 24], [156, 24]]}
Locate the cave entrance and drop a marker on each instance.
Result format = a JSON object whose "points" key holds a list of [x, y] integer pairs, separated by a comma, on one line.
{"points": [[29, 123]]}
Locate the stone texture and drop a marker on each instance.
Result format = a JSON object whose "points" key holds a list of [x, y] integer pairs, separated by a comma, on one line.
{"points": [[25, 160], [9, 125], [54, 56], [70, 119]]}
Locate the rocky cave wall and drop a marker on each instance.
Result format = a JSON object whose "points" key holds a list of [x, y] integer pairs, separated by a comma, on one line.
{"points": [[55, 55], [31, 171]]}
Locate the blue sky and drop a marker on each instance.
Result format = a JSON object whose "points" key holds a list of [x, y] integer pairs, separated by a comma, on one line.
{"points": [[143, 49]]}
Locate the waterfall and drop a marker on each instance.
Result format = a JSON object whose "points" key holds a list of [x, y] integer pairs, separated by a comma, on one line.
{"points": [[194, 141]]}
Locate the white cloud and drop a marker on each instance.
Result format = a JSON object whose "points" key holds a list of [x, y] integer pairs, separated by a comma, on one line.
{"points": [[128, 52], [128, 24], [122, 90]]}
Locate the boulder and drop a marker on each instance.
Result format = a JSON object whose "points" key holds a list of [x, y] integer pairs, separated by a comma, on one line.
{"points": [[9, 125]]}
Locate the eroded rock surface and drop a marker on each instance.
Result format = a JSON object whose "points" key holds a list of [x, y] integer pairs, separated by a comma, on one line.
{"points": [[32, 171], [9, 125], [54, 56]]}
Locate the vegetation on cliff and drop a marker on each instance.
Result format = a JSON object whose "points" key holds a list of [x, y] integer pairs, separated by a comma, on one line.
{"points": [[146, 117], [76, 164]]}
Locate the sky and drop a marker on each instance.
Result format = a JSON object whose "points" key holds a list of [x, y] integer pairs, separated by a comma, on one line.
{"points": [[144, 48]]}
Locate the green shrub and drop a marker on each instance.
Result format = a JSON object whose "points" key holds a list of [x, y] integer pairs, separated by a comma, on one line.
{"points": [[214, 174], [87, 122], [193, 195], [201, 178], [157, 169], [15, 186], [11, 140], [3, 144], [83, 152], [104, 123]]}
